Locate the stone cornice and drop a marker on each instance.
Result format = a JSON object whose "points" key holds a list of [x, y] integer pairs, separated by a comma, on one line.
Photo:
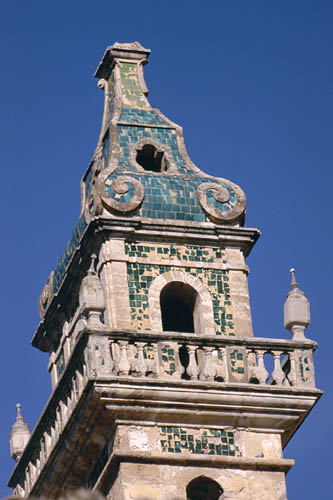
{"points": [[243, 463]]}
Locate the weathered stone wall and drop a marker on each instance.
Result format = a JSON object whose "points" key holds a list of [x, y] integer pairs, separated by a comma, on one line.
{"points": [[129, 269], [168, 482], [157, 475]]}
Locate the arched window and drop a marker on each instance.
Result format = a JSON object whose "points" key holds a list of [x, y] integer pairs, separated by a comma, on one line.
{"points": [[178, 301], [204, 488], [151, 159], [176, 295]]}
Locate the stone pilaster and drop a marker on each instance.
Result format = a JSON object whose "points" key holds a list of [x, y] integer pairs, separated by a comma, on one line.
{"points": [[113, 273], [239, 292]]}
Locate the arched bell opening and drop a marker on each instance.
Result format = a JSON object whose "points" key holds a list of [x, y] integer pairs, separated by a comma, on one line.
{"points": [[176, 295], [152, 160], [204, 488], [179, 307]]}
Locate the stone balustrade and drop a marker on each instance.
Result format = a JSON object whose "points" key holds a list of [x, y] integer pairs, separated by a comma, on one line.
{"points": [[227, 360], [51, 424], [187, 358]]}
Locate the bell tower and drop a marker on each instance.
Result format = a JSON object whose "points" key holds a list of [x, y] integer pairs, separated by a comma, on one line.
{"points": [[160, 390]]}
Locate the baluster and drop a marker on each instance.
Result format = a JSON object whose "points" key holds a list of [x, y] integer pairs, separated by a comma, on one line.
{"points": [[261, 372], [79, 381], [25, 485], [141, 364], [75, 388], [192, 369], [59, 420], [124, 365], [72, 396], [64, 412], [44, 447], [47, 443], [149, 357], [30, 476], [116, 356], [112, 357], [292, 373], [33, 473], [69, 403], [155, 364], [225, 363], [84, 372], [20, 491], [27, 480], [53, 435], [56, 428], [277, 374], [209, 369], [132, 357], [38, 466], [222, 370], [251, 365]]}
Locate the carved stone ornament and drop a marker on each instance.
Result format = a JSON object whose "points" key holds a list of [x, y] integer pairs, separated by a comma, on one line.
{"points": [[121, 194], [46, 295], [222, 202], [93, 205]]}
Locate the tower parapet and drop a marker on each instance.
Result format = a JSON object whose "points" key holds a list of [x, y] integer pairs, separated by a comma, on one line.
{"points": [[147, 322]]}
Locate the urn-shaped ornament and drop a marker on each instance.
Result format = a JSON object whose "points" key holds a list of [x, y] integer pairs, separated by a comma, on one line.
{"points": [[296, 310]]}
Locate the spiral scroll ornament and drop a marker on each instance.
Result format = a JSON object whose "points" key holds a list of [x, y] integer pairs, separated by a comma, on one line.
{"points": [[121, 194], [223, 202], [93, 205]]}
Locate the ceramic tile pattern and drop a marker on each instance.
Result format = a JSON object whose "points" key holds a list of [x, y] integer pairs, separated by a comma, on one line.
{"points": [[165, 136], [166, 196], [237, 364], [305, 369], [198, 441], [73, 243], [224, 207], [145, 116], [131, 89], [140, 277], [168, 359]]}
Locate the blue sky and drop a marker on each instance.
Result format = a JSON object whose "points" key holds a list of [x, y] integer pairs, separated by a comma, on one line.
{"points": [[251, 83]]}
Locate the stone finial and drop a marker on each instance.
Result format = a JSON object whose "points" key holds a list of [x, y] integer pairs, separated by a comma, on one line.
{"points": [[91, 297], [296, 310], [19, 435]]}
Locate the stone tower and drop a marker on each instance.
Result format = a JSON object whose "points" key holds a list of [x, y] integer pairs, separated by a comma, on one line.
{"points": [[160, 391]]}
